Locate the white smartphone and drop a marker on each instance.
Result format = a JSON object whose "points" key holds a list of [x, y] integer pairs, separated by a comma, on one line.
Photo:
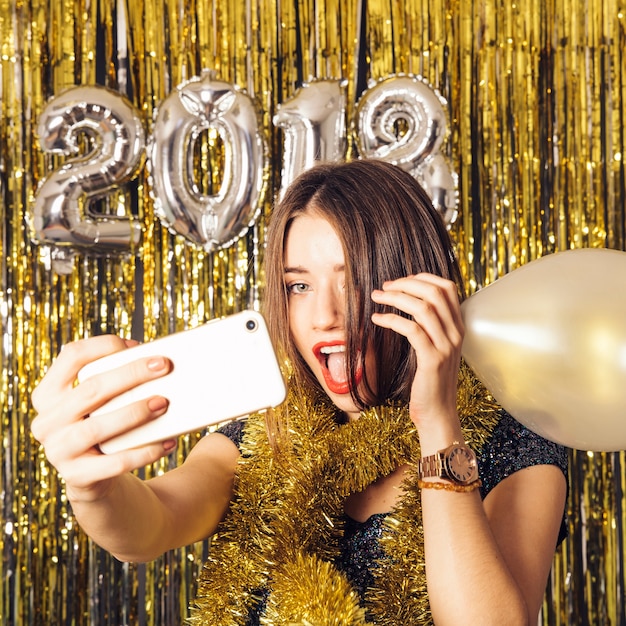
{"points": [[222, 370]]}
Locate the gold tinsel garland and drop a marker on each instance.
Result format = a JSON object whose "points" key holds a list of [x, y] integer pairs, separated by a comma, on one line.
{"points": [[281, 534]]}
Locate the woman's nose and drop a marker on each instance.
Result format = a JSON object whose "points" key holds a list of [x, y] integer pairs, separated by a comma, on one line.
{"points": [[329, 310]]}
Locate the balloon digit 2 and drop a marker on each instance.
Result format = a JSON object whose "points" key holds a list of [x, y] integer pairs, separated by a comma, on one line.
{"points": [[61, 213]]}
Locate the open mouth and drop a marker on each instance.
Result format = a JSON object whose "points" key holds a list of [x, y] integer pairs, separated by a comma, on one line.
{"points": [[332, 358]]}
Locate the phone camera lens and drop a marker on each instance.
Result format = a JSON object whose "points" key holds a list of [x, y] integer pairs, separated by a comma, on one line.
{"points": [[251, 325]]}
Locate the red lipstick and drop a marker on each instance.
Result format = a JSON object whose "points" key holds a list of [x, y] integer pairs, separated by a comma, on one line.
{"points": [[332, 358]]}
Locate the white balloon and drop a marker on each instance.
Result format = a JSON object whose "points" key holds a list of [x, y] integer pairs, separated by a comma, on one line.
{"points": [[549, 341]]}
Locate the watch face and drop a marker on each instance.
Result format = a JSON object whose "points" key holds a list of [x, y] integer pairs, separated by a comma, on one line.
{"points": [[462, 464]]}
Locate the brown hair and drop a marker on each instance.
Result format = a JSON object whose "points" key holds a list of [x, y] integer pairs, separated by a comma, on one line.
{"points": [[388, 228]]}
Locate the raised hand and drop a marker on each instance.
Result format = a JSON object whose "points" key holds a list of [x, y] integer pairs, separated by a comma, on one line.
{"points": [[434, 328]]}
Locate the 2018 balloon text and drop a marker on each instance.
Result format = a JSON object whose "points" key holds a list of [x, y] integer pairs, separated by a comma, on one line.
{"points": [[401, 119]]}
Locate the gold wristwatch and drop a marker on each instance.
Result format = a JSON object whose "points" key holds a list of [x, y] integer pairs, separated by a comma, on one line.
{"points": [[456, 463]]}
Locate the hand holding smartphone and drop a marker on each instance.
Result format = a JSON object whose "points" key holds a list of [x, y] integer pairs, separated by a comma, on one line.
{"points": [[222, 370]]}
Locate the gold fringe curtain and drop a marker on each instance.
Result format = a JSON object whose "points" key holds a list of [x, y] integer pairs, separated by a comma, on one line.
{"points": [[536, 96]]}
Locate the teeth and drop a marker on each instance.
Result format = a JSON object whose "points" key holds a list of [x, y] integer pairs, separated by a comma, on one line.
{"points": [[332, 349]]}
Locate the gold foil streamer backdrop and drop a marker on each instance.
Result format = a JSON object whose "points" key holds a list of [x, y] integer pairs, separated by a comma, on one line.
{"points": [[536, 101]]}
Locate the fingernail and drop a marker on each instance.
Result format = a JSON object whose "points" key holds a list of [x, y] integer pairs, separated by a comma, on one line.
{"points": [[158, 404], [157, 363], [169, 445]]}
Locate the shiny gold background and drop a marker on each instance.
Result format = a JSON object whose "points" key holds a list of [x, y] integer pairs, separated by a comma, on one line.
{"points": [[536, 96]]}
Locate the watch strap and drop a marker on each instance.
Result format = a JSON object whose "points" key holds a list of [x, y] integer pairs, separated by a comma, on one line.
{"points": [[431, 466]]}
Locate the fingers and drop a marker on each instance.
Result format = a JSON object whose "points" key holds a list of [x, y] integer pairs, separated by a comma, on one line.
{"points": [[60, 402], [71, 437], [87, 477], [433, 306], [92, 431], [73, 448], [93, 392], [433, 326], [71, 358], [62, 405], [448, 292], [82, 436]]}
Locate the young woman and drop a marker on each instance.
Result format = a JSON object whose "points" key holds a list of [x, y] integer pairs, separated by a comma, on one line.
{"points": [[336, 508]]}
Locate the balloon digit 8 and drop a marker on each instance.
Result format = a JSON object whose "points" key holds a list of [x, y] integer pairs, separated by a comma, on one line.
{"points": [[402, 120]]}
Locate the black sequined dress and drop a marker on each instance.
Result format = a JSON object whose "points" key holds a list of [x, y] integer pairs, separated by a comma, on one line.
{"points": [[511, 448]]}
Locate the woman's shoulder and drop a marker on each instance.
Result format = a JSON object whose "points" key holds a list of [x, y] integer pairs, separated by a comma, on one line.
{"points": [[513, 447], [234, 431]]}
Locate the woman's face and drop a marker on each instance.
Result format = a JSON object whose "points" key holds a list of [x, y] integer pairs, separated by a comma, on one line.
{"points": [[314, 269]]}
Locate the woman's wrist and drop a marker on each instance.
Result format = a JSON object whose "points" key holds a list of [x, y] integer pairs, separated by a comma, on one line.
{"points": [[434, 435]]}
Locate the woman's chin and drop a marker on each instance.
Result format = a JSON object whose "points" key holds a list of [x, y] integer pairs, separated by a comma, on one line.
{"points": [[341, 397]]}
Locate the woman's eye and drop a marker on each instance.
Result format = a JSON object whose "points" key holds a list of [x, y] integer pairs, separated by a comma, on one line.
{"points": [[296, 288]]}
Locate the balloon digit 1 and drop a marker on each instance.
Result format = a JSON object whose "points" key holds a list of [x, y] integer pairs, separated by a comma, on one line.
{"points": [[314, 127], [202, 103], [402, 120], [60, 211]]}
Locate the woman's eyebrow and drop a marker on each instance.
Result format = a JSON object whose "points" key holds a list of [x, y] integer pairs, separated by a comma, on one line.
{"points": [[340, 267]]}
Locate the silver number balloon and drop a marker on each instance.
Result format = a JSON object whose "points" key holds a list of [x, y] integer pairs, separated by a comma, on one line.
{"points": [[210, 221], [402, 119], [313, 122], [61, 215]]}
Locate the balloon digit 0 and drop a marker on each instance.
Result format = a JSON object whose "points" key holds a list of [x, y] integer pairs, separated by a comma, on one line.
{"points": [[203, 103]]}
